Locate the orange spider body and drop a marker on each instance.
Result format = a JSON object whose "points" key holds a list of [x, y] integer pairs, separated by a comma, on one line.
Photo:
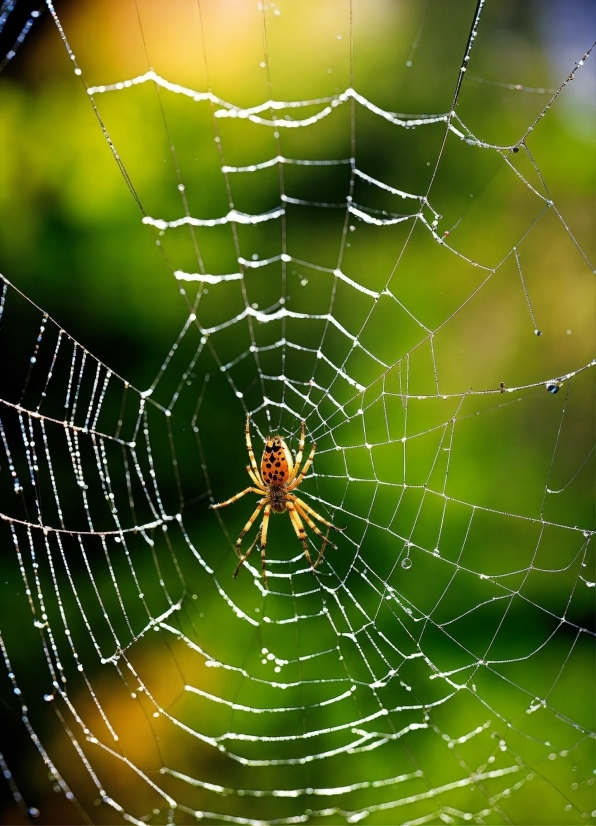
{"points": [[278, 477], [277, 465]]}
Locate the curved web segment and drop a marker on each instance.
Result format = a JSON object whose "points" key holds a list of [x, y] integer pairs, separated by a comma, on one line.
{"points": [[424, 672]]}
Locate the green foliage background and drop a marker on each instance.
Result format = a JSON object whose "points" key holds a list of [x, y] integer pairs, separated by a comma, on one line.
{"points": [[72, 240]]}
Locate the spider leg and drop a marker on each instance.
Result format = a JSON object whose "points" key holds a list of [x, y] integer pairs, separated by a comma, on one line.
{"points": [[298, 455], [263, 533], [303, 506], [261, 538], [297, 479], [238, 496], [251, 454], [312, 525], [248, 525], [322, 551], [299, 529], [250, 472], [245, 556]]}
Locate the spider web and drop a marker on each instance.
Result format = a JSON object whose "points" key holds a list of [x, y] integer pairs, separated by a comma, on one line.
{"points": [[438, 666]]}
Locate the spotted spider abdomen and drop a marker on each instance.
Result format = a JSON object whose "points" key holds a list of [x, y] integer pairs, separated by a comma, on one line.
{"points": [[277, 462]]}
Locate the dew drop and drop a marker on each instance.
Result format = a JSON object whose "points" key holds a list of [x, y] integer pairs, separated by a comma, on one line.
{"points": [[406, 563]]}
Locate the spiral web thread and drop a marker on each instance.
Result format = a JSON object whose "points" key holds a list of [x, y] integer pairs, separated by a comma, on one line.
{"points": [[354, 644]]}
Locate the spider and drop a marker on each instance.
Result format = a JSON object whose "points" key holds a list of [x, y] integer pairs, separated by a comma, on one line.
{"points": [[278, 477]]}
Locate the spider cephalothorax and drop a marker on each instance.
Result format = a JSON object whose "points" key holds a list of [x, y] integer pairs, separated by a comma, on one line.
{"points": [[278, 477]]}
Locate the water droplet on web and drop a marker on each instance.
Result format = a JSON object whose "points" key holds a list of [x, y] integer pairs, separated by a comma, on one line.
{"points": [[406, 563], [552, 388]]}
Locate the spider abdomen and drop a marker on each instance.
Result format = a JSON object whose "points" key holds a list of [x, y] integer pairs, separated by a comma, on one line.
{"points": [[277, 462]]}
